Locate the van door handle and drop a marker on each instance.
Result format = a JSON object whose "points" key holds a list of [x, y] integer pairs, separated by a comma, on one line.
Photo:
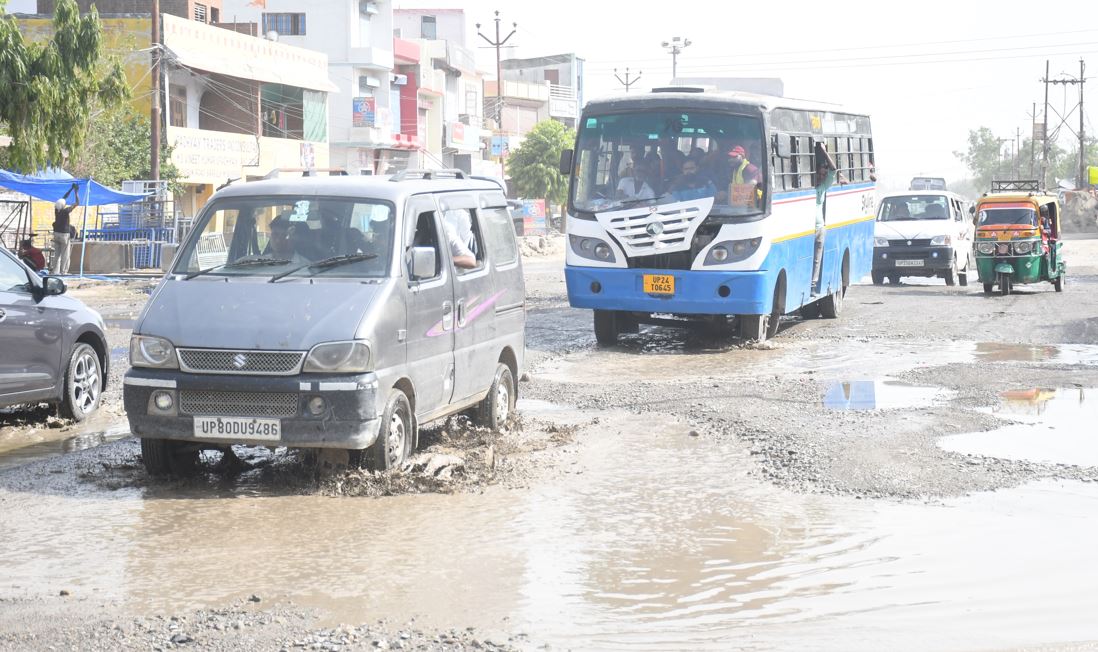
{"points": [[447, 316], [461, 313]]}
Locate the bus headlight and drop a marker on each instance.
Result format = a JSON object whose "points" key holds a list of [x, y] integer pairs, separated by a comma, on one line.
{"points": [[592, 248], [880, 242], [1023, 247], [939, 240], [731, 251], [985, 248]]}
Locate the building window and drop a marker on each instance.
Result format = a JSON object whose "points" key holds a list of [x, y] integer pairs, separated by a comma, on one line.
{"points": [[284, 24], [472, 102], [177, 105], [428, 29], [200, 12], [215, 15]]}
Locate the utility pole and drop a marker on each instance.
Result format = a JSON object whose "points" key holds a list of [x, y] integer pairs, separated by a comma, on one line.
{"points": [[154, 117], [627, 82], [497, 44], [1063, 119], [1032, 140], [999, 164], [1044, 141], [675, 46], [1017, 151]]}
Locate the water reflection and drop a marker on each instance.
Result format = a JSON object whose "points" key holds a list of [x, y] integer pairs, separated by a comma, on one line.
{"points": [[879, 395]]}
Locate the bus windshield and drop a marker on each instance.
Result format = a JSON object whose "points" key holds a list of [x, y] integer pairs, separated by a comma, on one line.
{"points": [[661, 157]]}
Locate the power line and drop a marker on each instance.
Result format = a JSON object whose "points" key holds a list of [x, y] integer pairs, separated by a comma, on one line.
{"points": [[627, 82]]}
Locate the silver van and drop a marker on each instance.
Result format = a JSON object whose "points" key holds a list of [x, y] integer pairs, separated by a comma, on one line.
{"points": [[329, 312]]}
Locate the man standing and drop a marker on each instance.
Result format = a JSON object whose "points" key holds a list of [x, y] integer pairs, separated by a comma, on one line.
{"points": [[61, 232], [824, 179]]}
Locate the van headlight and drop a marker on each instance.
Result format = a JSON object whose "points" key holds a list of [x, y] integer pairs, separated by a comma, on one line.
{"points": [[939, 240], [985, 248], [880, 242], [155, 352], [1023, 247], [338, 357]]}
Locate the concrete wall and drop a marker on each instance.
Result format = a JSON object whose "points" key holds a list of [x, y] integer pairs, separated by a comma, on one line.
{"points": [[450, 24], [100, 258]]}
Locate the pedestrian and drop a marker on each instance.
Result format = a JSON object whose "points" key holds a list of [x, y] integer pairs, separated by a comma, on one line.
{"points": [[31, 255], [62, 234], [823, 180]]}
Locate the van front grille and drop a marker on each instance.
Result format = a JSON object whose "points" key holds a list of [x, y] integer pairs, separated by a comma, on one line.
{"points": [[226, 361], [237, 404]]}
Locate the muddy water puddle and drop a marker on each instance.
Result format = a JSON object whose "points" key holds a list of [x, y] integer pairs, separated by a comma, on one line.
{"points": [[19, 447], [1054, 426], [882, 395], [650, 539]]}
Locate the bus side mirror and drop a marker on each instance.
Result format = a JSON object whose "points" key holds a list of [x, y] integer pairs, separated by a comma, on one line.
{"points": [[782, 146], [566, 162]]}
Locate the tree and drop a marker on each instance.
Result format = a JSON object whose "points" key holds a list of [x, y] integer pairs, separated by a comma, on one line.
{"points": [[983, 157], [49, 88], [535, 166], [117, 149]]}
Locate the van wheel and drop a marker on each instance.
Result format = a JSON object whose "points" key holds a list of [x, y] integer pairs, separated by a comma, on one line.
{"points": [[950, 275], [166, 457], [878, 278], [606, 327], [962, 277], [496, 409], [83, 383], [395, 438]]}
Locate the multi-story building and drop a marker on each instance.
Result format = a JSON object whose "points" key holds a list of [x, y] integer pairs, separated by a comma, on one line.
{"points": [[234, 105], [364, 113], [562, 74]]}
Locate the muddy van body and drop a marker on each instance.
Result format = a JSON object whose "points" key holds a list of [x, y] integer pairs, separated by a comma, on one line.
{"points": [[330, 313]]}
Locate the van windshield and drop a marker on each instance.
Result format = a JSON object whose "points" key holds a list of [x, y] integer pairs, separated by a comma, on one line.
{"points": [[914, 207], [271, 235]]}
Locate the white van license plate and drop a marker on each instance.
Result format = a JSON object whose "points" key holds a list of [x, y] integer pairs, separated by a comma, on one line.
{"points": [[237, 428], [909, 263]]}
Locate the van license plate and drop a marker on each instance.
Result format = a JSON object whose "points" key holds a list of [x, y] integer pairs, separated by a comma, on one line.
{"points": [[909, 263], [659, 284], [238, 428]]}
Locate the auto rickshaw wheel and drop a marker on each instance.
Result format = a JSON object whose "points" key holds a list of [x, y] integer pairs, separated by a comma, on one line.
{"points": [[989, 288], [1004, 284], [1059, 283]]}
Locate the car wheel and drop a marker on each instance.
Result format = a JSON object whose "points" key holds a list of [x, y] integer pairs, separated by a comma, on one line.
{"points": [[166, 457], [496, 408], [83, 383], [606, 327], [395, 439]]}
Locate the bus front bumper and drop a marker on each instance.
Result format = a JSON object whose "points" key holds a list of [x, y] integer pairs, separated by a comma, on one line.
{"points": [[695, 292]]}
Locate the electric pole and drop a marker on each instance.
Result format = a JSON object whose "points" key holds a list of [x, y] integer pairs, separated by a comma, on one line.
{"points": [[497, 44], [1063, 119], [154, 117], [1017, 151], [675, 46], [627, 82], [1044, 139], [1032, 137]]}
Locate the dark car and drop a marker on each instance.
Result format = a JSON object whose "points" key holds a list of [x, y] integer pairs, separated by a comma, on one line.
{"points": [[52, 347]]}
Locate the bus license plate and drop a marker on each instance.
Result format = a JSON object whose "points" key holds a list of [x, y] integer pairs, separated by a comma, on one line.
{"points": [[909, 263], [238, 428], [659, 284]]}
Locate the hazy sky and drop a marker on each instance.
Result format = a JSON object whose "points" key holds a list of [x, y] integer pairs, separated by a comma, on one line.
{"points": [[926, 73]]}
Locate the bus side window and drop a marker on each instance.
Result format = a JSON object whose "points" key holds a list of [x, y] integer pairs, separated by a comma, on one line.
{"points": [[804, 158]]}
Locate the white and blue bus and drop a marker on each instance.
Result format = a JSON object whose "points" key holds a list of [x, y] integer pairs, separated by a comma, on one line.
{"points": [[735, 240]]}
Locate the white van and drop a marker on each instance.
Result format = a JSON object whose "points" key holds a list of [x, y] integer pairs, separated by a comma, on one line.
{"points": [[927, 233]]}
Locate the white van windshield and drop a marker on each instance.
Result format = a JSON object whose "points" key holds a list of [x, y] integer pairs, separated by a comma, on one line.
{"points": [[285, 235], [914, 207]]}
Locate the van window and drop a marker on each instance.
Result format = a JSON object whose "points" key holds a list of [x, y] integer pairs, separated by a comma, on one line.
{"points": [[501, 235], [267, 236], [426, 235], [465, 226]]}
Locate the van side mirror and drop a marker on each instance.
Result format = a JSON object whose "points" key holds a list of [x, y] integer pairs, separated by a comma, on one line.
{"points": [[424, 262], [972, 209], [566, 162], [782, 146]]}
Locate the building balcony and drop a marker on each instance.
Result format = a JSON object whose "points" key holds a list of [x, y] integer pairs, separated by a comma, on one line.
{"points": [[513, 90], [377, 58]]}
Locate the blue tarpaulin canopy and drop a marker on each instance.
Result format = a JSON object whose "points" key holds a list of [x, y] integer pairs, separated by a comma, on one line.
{"points": [[53, 184]]}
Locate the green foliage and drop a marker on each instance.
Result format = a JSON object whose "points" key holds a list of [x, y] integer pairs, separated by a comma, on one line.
{"points": [[50, 87], [534, 167], [987, 161], [117, 149]]}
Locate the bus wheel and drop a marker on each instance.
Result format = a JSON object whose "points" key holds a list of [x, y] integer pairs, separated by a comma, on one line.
{"points": [[606, 327], [777, 307], [753, 327]]}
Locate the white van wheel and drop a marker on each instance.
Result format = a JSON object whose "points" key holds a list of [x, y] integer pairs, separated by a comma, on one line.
{"points": [[496, 408]]}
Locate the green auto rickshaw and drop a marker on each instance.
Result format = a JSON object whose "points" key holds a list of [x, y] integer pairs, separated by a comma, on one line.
{"points": [[1018, 237]]}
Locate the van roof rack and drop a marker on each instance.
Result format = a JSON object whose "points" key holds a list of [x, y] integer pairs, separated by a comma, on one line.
{"points": [[427, 175], [1015, 185]]}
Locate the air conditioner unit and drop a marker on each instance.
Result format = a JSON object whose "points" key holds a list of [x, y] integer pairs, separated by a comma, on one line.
{"points": [[367, 8], [398, 80], [366, 82]]}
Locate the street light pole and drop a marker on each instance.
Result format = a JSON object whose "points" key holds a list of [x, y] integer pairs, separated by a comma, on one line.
{"points": [[675, 46], [154, 117]]}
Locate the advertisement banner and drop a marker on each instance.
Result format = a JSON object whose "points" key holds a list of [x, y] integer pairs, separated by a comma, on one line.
{"points": [[363, 112], [533, 215]]}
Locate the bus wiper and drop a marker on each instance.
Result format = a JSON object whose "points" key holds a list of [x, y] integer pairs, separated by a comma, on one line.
{"points": [[252, 262], [327, 263], [630, 202]]}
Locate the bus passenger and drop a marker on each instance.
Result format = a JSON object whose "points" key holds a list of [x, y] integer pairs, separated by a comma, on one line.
{"points": [[743, 171], [690, 184], [634, 183]]}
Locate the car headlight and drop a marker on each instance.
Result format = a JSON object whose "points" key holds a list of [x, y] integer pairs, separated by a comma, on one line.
{"points": [[1023, 247], [985, 248], [155, 352], [880, 242], [940, 240], [338, 357]]}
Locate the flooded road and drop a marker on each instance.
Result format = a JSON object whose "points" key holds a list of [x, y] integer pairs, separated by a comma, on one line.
{"points": [[652, 539]]}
